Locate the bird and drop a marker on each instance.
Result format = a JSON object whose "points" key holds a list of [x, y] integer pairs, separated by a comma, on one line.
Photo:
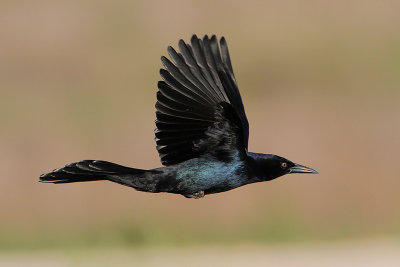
{"points": [[201, 134]]}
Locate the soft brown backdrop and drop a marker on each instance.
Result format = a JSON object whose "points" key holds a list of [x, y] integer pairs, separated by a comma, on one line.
{"points": [[319, 80]]}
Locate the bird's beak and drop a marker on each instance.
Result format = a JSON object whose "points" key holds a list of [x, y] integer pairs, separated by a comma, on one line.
{"points": [[297, 168]]}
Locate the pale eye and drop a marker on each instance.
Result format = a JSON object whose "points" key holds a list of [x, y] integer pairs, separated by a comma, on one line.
{"points": [[283, 165]]}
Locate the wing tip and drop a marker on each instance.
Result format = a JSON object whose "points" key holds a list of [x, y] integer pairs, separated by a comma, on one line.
{"points": [[170, 49], [164, 59], [194, 37], [222, 41], [181, 42]]}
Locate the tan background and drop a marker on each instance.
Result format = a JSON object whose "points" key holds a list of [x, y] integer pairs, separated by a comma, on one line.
{"points": [[319, 80]]}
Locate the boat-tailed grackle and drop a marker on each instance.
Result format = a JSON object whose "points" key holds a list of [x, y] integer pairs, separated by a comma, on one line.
{"points": [[202, 132]]}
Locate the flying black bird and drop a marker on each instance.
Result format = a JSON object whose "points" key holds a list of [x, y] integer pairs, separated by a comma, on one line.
{"points": [[202, 132]]}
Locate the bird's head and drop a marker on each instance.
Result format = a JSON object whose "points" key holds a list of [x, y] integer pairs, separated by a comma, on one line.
{"points": [[269, 166]]}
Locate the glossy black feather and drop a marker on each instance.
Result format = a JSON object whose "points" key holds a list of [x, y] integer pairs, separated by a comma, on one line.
{"points": [[187, 54], [196, 81], [87, 170]]}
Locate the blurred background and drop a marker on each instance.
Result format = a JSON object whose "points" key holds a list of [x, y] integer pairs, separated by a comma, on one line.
{"points": [[320, 83]]}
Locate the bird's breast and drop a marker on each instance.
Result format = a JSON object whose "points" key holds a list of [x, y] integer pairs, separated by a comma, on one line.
{"points": [[201, 174]]}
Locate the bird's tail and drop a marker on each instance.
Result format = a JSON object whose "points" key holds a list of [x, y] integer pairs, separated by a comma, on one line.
{"points": [[88, 170]]}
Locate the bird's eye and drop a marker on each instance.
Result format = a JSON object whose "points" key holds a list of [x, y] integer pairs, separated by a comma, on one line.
{"points": [[283, 165]]}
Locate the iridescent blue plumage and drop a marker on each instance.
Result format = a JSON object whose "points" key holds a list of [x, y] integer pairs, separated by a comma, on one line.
{"points": [[205, 173]]}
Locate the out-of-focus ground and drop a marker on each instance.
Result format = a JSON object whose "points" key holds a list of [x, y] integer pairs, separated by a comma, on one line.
{"points": [[350, 254], [320, 82]]}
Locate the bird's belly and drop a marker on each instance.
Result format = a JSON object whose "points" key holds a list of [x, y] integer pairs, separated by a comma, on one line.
{"points": [[202, 174]]}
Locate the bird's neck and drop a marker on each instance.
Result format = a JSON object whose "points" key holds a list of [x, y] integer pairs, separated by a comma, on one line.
{"points": [[259, 166]]}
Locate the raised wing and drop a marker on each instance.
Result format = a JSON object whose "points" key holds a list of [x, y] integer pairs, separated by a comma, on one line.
{"points": [[189, 101]]}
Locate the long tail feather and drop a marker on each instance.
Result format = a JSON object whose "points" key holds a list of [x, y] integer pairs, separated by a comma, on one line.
{"points": [[87, 170]]}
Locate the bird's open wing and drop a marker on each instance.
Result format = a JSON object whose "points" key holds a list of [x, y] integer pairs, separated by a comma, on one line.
{"points": [[198, 94]]}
